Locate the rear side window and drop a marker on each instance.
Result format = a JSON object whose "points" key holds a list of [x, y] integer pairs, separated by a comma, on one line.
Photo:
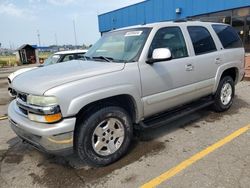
{"points": [[228, 37], [201, 39]]}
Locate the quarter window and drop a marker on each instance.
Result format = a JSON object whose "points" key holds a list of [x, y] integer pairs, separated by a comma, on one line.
{"points": [[172, 38], [201, 39], [228, 37]]}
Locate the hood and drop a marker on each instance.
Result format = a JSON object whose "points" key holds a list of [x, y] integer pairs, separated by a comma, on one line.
{"points": [[42, 79], [20, 71]]}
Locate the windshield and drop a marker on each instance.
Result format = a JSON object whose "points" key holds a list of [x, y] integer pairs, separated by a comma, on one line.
{"points": [[51, 60], [119, 46]]}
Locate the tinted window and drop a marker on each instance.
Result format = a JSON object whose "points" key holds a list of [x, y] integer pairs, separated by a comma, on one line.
{"points": [[228, 37], [68, 57], [201, 39], [172, 38], [79, 56]]}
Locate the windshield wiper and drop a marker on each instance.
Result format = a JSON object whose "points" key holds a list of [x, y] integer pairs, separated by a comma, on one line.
{"points": [[108, 59]]}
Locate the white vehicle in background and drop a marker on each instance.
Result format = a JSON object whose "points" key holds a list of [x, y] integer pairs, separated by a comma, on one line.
{"points": [[57, 57]]}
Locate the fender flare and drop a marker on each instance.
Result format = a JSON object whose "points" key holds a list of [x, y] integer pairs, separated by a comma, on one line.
{"points": [[81, 101]]}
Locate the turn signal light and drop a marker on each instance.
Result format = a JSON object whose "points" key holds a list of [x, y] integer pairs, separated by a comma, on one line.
{"points": [[53, 118]]}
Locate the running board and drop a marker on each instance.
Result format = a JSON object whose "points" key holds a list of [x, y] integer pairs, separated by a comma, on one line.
{"points": [[172, 115]]}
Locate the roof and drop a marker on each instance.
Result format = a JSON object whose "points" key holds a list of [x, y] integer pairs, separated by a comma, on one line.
{"points": [[25, 46], [168, 23], [71, 52]]}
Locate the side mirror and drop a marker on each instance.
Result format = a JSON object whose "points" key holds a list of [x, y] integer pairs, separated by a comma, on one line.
{"points": [[160, 54]]}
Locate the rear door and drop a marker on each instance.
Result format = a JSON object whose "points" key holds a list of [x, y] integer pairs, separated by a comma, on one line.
{"points": [[206, 58]]}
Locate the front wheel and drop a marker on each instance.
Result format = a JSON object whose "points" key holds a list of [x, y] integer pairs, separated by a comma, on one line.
{"points": [[223, 98], [104, 136]]}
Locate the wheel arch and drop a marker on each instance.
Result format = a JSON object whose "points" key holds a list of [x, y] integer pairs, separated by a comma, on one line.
{"points": [[124, 101], [231, 71]]}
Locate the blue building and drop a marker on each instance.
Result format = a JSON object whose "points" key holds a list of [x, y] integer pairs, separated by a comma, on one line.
{"points": [[234, 12]]}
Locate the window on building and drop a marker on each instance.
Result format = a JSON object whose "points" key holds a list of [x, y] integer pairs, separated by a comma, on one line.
{"points": [[228, 37], [241, 12], [247, 39], [201, 39], [172, 38], [238, 23]]}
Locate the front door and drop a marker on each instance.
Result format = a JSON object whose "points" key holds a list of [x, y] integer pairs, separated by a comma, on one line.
{"points": [[166, 84]]}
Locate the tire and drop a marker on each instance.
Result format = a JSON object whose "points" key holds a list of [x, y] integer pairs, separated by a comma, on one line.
{"points": [[223, 98], [103, 136]]}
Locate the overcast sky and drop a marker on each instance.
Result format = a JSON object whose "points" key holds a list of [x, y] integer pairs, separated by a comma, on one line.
{"points": [[21, 19]]}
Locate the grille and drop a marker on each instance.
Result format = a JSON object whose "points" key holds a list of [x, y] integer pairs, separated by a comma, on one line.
{"points": [[23, 111], [23, 97]]}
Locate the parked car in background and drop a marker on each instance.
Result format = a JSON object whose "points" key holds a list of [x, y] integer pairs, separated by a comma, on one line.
{"points": [[57, 57], [134, 78]]}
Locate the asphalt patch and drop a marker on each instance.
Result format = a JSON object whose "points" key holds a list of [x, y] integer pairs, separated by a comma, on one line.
{"points": [[237, 105], [4, 85], [15, 153], [129, 179], [5, 100], [59, 173]]}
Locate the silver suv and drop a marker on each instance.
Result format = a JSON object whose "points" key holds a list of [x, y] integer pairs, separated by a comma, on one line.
{"points": [[133, 78]]}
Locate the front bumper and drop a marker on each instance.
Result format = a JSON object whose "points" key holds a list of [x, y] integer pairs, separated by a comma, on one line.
{"points": [[54, 138]]}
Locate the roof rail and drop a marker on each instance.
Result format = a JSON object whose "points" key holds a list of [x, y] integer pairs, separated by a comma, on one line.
{"points": [[183, 20]]}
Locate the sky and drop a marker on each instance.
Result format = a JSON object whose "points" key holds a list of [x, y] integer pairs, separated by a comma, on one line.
{"points": [[22, 20]]}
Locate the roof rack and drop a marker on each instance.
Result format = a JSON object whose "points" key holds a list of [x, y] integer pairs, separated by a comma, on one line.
{"points": [[183, 20]]}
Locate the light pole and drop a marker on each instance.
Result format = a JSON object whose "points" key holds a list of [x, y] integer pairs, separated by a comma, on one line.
{"points": [[56, 40], [74, 26], [38, 36]]}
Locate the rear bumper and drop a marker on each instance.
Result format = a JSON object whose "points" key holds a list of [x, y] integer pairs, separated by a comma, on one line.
{"points": [[51, 138]]}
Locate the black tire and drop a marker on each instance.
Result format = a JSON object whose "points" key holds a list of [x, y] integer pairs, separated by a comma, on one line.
{"points": [[87, 126], [218, 104]]}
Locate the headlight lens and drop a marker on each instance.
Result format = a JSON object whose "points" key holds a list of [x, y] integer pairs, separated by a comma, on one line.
{"points": [[42, 100]]}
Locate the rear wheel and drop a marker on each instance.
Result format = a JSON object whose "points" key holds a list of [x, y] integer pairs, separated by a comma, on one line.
{"points": [[223, 98], [104, 136]]}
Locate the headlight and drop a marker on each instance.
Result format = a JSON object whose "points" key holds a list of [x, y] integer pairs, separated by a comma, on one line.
{"points": [[44, 109], [41, 100]]}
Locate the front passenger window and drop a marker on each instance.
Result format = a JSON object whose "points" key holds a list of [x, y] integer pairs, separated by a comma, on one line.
{"points": [[172, 38]]}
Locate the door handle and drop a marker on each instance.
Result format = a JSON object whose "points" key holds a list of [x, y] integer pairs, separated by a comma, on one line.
{"points": [[189, 67]]}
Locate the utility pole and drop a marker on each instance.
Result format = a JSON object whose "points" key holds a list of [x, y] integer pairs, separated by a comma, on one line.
{"points": [[56, 40], [38, 36], [10, 45], [74, 25]]}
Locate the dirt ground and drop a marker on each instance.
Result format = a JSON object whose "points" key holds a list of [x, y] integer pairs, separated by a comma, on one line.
{"points": [[156, 151]]}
